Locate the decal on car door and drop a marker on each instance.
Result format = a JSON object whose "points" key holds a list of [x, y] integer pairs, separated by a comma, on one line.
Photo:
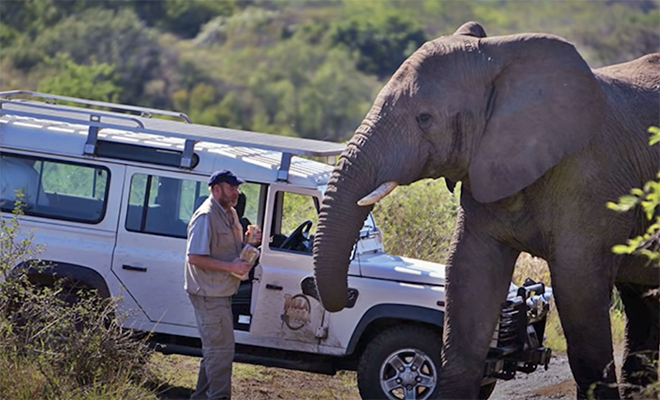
{"points": [[296, 312]]}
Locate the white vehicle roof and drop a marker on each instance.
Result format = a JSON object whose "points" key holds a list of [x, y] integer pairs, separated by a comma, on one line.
{"points": [[30, 125]]}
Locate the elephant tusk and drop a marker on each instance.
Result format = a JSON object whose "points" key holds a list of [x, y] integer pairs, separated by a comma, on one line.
{"points": [[380, 192]]}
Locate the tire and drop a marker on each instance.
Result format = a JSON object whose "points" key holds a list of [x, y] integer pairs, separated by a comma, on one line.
{"points": [[402, 362]]}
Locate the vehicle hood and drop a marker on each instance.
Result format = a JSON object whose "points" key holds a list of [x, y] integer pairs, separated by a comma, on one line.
{"points": [[379, 265]]}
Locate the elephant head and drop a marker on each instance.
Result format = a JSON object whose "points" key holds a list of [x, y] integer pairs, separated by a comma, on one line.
{"points": [[495, 113]]}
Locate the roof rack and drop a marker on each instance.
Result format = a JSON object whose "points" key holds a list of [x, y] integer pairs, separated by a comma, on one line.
{"points": [[140, 120]]}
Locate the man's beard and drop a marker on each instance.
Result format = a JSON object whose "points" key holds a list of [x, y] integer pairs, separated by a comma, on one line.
{"points": [[227, 202]]}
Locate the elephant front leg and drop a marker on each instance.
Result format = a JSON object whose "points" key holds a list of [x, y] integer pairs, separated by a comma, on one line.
{"points": [[478, 276]]}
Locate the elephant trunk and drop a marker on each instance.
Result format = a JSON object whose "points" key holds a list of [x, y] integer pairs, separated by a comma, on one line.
{"points": [[340, 221]]}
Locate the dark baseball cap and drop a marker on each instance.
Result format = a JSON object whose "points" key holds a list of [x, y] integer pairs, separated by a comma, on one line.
{"points": [[225, 176]]}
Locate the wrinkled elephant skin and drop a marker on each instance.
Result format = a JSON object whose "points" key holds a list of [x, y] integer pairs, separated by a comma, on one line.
{"points": [[541, 142]]}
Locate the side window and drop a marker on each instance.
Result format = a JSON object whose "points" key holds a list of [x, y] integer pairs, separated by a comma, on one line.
{"points": [[54, 188], [192, 195], [248, 204], [164, 206], [297, 222]]}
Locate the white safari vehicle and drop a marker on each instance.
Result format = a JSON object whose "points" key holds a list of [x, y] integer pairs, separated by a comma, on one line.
{"points": [[110, 189]]}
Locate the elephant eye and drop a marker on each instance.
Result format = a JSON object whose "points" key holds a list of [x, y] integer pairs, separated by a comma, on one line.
{"points": [[424, 119]]}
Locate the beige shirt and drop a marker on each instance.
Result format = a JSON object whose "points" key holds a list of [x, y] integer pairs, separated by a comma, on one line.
{"points": [[223, 241]]}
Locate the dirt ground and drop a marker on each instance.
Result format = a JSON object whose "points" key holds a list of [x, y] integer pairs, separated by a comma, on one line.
{"points": [[555, 383], [261, 383]]}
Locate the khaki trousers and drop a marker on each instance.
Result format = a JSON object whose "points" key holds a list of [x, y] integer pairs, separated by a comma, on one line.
{"points": [[216, 330]]}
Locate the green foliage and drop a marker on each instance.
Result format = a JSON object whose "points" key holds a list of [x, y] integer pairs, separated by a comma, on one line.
{"points": [[8, 34], [604, 32], [23, 55], [15, 247], [290, 89], [379, 38], [31, 17], [621, 33], [254, 27], [316, 93], [303, 68], [182, 17], [99, 36], [93, 82], [74, 180], [648, 198], [185, 17], [418, 220], [56, 341], [297, 208]]}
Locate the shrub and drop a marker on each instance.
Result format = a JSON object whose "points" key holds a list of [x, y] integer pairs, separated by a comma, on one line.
{"points": [[418, 220], [52, 347]]}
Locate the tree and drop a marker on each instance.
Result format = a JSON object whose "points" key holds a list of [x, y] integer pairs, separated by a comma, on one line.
{"points": [[182, 17], [30, 17], [379, 38], [118, 39], [308, 91], [93, 82], [622, 33], [254, 27]]}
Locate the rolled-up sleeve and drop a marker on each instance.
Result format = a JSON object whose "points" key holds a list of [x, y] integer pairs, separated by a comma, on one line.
{"points": [[199, 239]]}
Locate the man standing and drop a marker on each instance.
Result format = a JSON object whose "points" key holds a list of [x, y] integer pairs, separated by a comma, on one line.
{"points": [[215, 241]]}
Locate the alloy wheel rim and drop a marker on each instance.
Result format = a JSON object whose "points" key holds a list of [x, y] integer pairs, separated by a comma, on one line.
{"points": [[408, 374]]}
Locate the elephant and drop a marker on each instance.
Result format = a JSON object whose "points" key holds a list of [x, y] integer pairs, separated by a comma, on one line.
{"points": [[540, 143]]}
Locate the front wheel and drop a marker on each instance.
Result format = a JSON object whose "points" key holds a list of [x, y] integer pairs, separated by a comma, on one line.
{"points": [[402, 362]]}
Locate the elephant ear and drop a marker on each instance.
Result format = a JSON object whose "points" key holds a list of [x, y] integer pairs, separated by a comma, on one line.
{"points": [[471, 29], [545, 103]]}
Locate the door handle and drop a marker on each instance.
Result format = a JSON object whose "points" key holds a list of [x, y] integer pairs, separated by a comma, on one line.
{"points": [[273, 287], [134, 268]]}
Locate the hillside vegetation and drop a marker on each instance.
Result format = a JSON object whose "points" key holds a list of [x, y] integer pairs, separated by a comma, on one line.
{"points": [[304, 68]]}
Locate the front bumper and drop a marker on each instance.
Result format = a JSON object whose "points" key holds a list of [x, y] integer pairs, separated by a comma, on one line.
{"points": [[518, 339]]}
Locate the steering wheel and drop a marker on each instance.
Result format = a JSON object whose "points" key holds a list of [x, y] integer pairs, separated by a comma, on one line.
{"points": [[299, 235]]}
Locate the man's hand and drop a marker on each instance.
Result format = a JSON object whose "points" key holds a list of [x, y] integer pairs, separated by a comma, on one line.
{"points": [[240, 267], [253, 235]]}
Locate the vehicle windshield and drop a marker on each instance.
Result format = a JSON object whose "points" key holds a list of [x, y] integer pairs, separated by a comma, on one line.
{"points": [[369, 225], [370, 239]]}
